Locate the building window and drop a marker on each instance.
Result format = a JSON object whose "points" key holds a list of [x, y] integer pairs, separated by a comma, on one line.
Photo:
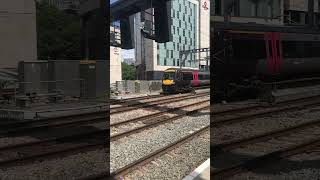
{"points": [[217, 7], [165, 61]]}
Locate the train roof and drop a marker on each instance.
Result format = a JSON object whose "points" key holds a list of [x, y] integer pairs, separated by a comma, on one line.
{"points": [[175, 69], [257, 32], [221, 26]]}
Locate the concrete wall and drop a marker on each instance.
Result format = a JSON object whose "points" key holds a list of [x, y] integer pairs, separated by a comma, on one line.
{"points": [[115, 64], [204, 28], [138, 86], [65, 75], [18, 36], [115, 59], [33, 77]]}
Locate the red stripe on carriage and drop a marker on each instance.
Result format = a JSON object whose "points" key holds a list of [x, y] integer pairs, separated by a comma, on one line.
{"points": [[195, 78]]}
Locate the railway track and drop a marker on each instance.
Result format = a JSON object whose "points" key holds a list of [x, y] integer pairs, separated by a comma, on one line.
{"points": [[144, 160], [150, 116], [124, 101], [156, 119], [56, 141], [236, 115], [52, 147], [127, 100], [153, 103], [153, 121], [306, 135], [30, 126], [20, 127], [29, 152], [148, 158]]}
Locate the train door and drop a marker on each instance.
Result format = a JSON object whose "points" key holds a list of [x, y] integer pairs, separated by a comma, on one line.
{"points": [[195, 78], [274, 52], [179, 80]]}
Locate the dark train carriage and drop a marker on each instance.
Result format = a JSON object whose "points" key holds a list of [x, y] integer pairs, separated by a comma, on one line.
{"points": [[183, 80], [247, 58]]}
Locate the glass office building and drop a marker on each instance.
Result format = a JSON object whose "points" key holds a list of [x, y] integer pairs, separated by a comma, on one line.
{"points": [[189, 25], [184, 35]]}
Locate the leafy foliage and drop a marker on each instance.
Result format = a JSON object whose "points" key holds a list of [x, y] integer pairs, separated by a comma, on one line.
{"points": [[58, 33], [128, 71]]}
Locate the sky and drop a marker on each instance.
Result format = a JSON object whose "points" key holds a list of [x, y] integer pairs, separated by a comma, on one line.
{"points": [[112, 1], [125, 53]]}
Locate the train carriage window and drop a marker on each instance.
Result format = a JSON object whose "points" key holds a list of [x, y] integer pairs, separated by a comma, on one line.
{"points": [[249, 49], [299, 49], [201, 77], [187, 76], [169, 75]]}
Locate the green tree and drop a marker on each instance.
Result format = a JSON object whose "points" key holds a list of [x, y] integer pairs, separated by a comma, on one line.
{"points": [[58, 33], [128, 71]]}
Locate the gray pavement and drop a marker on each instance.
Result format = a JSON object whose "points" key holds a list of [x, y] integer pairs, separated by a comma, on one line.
{"points": [[201, 173]]}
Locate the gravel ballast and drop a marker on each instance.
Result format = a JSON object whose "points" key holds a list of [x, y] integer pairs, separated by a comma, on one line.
{"points": [[131, 148], [178, 163], [70, 167], [264, 124], [305, 167], [301, 166]]}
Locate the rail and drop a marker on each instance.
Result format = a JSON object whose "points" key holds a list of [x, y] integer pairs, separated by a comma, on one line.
{"points": [[100, 107]]}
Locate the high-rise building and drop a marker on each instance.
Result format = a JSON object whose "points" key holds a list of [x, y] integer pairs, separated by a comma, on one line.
{"points": [[189, 26]]}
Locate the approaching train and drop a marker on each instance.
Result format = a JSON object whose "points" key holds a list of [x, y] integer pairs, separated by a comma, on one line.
{"points": [[252, 60], [177, 80]]}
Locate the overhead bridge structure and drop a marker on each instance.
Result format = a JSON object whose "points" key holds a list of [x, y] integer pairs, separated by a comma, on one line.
{"points": [[123, 9]]}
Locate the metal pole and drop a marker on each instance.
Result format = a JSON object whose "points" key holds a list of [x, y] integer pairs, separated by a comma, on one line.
{"points": [[180, 58]]}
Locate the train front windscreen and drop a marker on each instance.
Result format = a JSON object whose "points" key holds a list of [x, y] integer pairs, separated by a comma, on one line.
{"points": [[168, 76]]}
